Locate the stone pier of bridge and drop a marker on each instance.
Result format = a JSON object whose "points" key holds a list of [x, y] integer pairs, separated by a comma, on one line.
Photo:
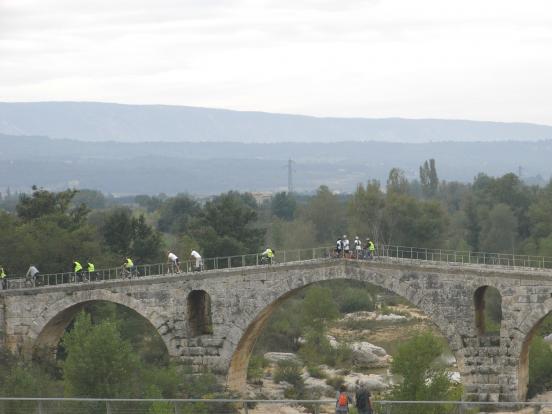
{"points": [[212, 319]]}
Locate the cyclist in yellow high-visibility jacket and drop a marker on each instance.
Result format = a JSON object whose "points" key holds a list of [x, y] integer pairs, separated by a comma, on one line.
{"points": [[268, 254]]}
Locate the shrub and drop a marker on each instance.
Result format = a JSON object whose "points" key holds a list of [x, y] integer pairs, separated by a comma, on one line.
{"points": [[354, 300], [341, 357], [255, 369], [336, 381], [316, 372], [288, 371]]}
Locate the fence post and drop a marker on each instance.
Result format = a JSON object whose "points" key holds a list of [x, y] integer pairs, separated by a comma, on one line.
{"points": [[286, 262], [108, 408], [243, 260], [317, 408], [40, 408], [176, 408], [313, 253], [245, 410]]}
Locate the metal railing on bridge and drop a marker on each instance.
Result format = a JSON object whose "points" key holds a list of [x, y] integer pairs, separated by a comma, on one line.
{"points": [[163, 269], [383, 252], [242, 406]]}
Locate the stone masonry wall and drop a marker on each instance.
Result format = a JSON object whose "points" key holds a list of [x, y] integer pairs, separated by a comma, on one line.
{"points": [[492, 368]]}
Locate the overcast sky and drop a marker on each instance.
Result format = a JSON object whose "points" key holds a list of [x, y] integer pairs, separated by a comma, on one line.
{"points": [[470, 59]]}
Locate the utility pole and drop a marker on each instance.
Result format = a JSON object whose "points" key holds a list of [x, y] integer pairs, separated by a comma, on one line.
{"points": [[290, 176]]}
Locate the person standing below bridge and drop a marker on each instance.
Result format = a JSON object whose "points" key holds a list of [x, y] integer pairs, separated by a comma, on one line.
{"points": [[198, 261], [174, 261], [343, 400], [4, 284], [32, 274], [362, 399]]}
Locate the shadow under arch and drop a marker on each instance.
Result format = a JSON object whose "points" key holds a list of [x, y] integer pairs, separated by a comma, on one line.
{"points": [[51, 333], [237, 371]]}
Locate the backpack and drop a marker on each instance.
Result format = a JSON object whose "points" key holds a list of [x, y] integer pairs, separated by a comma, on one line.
{"points": [[342, 400]]}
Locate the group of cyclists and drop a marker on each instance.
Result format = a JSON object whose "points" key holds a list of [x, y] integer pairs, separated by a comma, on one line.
{"points": [[128, 270], [359, 251]]}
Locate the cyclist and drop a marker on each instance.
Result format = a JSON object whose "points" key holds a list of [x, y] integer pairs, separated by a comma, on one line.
{"points": [[128, 267], [371, 248], [90, 268], [3, 278], [174, 260], [32, 274], [198, 261], [345, 243], [338, 247], [358, 247], [77, 268], [268, 255]]}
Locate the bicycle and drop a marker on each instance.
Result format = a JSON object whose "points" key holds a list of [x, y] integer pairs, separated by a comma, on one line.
{"points": [[32, 281], [129, 274], [265, 260]]}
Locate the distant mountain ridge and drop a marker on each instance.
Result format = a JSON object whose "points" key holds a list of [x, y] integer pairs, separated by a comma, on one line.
{"points": [[95, 121]]}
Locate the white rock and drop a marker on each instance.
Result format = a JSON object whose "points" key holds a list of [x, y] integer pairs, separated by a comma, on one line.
{"points": [[333, 342], [319, 385], [371, 381], [366, 354], [281, 356], [390, 317], [548, 338]]}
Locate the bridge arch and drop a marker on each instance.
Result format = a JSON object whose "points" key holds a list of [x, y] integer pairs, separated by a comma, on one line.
{"points": [[406, 286], [525, 332], [51, 324], [480, 298], [200, 318]]}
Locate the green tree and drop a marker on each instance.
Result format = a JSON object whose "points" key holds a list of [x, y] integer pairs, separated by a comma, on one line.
{"points": [[128, 235], [540, 367], [423, 378], [319, 309], [283, 205], [294, 234], [99, 363], [428, 178], [177, 213], [397, 182], [365, 210], [499, 233], [228, 226], [45, 203], [327, 214]]}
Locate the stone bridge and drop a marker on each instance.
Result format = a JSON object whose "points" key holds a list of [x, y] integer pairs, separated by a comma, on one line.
{"points": [[213, 318]]}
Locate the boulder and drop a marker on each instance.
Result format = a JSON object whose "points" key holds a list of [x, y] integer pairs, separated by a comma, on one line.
{"points": [[371, 381], [367, 355]]}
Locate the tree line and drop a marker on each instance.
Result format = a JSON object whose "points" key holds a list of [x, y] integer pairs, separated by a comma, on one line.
{"points": [[492, 214]]}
